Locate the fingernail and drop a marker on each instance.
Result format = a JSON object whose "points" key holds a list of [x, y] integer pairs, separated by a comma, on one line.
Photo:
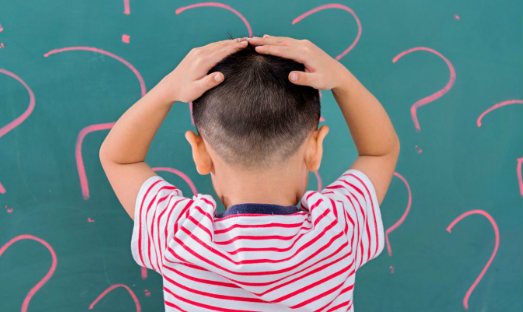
{"points": [[265, 36], [217, 77], [294, 76]]}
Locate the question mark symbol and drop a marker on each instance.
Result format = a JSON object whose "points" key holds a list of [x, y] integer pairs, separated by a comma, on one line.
{"points": [[496, 232], [17, 121], [105, 292], [435, 95], [97, 127], [47, 276], [400, 221], [519, 160]]}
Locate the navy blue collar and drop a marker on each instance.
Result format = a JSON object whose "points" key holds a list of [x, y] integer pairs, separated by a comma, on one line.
{"points": [[258, 208]]}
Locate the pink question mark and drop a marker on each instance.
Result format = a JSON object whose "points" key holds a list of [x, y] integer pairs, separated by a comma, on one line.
{"points": [[1, 43], [96, 127], [435, 95], [125, 37], [17, 121], [400, 221], [333, 6], [105, 292], [519, 160], [213, 4], [47, 276], [496, 232]]}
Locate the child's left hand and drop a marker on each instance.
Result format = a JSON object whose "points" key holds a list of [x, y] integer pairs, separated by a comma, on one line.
{"points": [[189, 80]]}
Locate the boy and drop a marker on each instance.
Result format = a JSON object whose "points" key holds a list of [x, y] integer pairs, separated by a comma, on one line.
{"points": [[258, 139]]}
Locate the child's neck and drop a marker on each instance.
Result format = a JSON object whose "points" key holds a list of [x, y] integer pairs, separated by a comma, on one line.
{"points": [[283, 186]]}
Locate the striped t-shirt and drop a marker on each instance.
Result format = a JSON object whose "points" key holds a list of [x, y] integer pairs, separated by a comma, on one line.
{"points": [[258, 257]]}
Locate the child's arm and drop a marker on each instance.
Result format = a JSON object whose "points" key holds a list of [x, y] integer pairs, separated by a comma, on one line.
{"points": [[123, 152], [372, 131]]}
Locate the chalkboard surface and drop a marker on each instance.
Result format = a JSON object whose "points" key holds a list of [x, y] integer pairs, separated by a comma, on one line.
{"points": [[449, 73]]}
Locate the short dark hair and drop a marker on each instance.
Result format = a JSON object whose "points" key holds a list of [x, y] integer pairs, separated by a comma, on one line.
{"points": [[256, 116]]}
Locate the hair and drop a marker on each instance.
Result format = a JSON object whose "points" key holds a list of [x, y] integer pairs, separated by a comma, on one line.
{"points": [[256, 116]]}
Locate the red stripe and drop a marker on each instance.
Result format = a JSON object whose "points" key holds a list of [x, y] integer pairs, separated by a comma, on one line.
{"points": [[347, 215], [341, 305], [364, 221], [212, 295], [272, 224], [186, 211], [308, 274], [167, 223], [346, 289], [208, 201], [201, 280], [353, 187], [346, 230], [357, 228], [325, 293], [316, 204], [253, 237], [158, 227], [156, 249], [373, 215], [242, 262], [283, 249], [334, 208], [148, 224], [216, 252], [210, 218], [183, 261], [337, 186], [310, 194], [140, 223], [172, 305], [198, 304]]}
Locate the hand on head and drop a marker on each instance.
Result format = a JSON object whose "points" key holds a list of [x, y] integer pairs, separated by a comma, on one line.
{"points": [[189, 80], [320, 68]]}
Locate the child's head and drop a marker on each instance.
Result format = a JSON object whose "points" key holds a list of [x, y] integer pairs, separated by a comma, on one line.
{"points": [[256, 120]]}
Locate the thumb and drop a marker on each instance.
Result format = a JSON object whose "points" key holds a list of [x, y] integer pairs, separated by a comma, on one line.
{"points": [[301, 78]]}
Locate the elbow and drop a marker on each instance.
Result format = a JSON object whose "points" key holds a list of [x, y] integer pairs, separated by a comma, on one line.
{"points": [[396, 146], [102, 154]]}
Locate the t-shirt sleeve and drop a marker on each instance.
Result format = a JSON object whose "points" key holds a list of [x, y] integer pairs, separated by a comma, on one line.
{"points": [[356, 194], [158, 209]]}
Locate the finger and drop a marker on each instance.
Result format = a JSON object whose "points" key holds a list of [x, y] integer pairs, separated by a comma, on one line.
{"points": [[302, 78], [274, 40], [222, 43], [220, 52], [290, 52], [210, 81]]}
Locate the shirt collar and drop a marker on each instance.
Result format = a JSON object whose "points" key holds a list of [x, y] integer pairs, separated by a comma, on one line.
{"points": [[258, 209]]}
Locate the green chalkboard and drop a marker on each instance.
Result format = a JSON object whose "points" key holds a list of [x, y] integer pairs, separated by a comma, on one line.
{"points": [[449, 74]]}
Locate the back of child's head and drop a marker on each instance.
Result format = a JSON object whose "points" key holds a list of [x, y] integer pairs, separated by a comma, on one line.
{"points": [[256, 117]]}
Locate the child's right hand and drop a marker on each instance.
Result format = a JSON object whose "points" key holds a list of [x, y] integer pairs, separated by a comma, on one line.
{"points": [[321, 70]]}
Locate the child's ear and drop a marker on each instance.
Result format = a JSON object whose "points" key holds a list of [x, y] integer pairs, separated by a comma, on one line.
{"points": [[315, 149], [201, 157]]}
